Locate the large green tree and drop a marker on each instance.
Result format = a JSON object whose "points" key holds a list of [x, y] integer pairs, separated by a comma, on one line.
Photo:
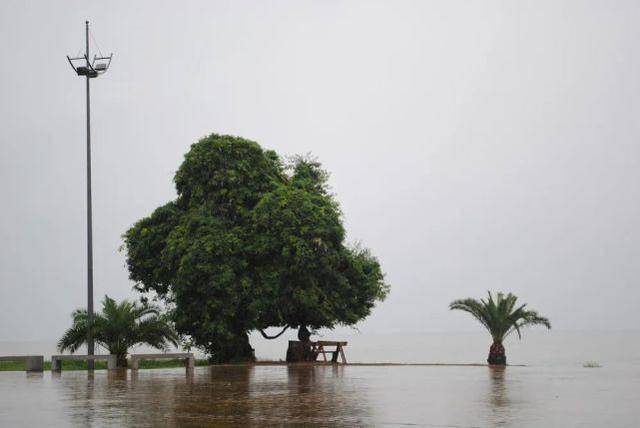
{"points": [[248, 244]]}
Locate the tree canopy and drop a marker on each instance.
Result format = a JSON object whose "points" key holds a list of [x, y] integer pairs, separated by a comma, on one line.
{"points": [[251, 243]]}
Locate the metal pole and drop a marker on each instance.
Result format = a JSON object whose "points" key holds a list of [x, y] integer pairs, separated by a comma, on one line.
{"points": [[90, 347]]}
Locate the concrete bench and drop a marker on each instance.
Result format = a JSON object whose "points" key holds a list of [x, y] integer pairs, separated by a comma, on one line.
{"points": [[33, 363], [56, 360], [189, 361]]}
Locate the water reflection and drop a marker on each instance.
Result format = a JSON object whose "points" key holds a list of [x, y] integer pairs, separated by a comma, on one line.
{"points": [[499, 401], [217, 395], [321, 395], [116, 377], [81, 396], [213, 396]]}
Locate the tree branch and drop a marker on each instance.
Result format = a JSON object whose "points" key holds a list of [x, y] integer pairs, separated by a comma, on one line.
{"points": [[273, 337]]}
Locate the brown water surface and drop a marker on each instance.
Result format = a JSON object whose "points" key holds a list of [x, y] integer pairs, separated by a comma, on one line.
{"points": [[324, 396]]}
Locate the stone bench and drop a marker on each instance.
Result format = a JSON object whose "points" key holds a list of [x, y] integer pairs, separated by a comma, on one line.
{"points": [[189, 361], [33, 363], [56, 360]]}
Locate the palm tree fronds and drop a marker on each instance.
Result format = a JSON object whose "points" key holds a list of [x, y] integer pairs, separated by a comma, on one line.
{"points": [[498, 315], [119, 327]]}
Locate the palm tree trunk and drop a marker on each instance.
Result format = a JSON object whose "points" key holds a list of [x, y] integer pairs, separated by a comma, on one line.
{"points": [[497, 355], [121, 360]]}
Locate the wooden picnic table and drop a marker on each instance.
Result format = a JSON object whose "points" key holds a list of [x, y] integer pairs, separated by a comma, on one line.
{"points": [[318, 348]]}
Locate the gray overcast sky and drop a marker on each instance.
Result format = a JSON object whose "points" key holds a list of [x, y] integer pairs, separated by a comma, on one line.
{"points": [[472, 145]]}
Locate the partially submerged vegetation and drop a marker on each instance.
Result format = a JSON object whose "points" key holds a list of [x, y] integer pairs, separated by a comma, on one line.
{"points": [[591, 365], [119, 327], [251, 242], [500, 317], [101, 365]]}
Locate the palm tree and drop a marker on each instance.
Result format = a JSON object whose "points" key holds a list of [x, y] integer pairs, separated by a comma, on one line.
{"points": [[501, 318], [119, 327]]}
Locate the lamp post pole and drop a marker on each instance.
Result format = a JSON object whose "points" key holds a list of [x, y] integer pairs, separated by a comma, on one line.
{"points": [[90, 344], [90, 68]]}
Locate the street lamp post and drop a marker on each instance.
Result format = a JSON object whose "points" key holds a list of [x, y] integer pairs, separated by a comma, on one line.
{"points": [[91, 69]]}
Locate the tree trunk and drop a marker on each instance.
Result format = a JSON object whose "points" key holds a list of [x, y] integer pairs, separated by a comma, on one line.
{"points": [[237, 350], [497, 355], [303, 334], [300, 351], [121, 360]]}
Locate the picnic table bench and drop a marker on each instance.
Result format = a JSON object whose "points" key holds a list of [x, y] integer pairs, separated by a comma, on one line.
{"points": [[318, 348], [186, 356], [33, 363], [56, 360]]}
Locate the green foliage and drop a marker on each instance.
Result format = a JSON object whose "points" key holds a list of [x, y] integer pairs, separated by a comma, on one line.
{"points": [[500, 316], [100, 365], [119, 327], [248, 244], [227, 174], [19, 366], [167, 364]]}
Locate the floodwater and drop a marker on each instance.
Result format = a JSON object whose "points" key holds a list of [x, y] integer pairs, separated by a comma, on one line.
{"points": [[431, 396], [552, 390]]}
